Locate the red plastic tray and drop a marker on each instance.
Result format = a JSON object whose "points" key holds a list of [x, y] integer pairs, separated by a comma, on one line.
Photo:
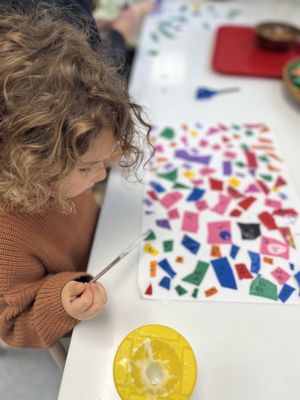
{"points": [[236, 53]]}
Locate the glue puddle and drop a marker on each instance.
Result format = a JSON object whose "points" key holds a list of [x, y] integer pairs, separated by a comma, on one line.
{"points": [[154, 369]]}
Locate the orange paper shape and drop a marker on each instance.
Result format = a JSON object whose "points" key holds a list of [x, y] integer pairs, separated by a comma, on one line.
{"points": [[215, 251], [153, 269], [210, 292]]}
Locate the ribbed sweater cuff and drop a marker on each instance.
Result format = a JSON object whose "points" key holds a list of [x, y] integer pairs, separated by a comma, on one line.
{"points": [[50, 318]]}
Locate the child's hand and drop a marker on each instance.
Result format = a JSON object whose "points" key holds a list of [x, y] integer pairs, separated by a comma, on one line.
{"points": [[83, 300]]}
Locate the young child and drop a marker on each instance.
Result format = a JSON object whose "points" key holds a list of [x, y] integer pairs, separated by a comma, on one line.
{"points": [[64, 118]]}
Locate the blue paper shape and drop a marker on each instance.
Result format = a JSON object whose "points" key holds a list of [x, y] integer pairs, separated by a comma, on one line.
{"points": [[292, 266], [255, 262], [164, 264], [225, 235], [297, 277], [192, 245], [196, 194], [157, 187], [165, 282], [285, 292], [234, 250], [224, 273]]}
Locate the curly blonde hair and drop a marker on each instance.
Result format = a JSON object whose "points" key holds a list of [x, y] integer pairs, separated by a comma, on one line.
{"points": [[56, 94]]}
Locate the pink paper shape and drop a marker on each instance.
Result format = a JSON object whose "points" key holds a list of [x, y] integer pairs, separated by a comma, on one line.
{"points": [[252, 188], [273, 247], [203, 143], [207, 171], [230, 154], [159, 148], [201, 205], [190, 222], [170, 199], [222, 205], [173, 214], [280, 275], [219, 232], [273, 203]]}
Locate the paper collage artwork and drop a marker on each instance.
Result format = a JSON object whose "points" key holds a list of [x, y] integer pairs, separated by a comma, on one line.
{"points": [[224, 217]]}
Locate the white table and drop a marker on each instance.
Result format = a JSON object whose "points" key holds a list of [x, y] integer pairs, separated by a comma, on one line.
{"points": [[244, 351]]}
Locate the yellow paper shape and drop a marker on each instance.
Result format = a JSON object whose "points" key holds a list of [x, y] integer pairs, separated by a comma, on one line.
{"points": [[189, 174], [148, 248], [235, 182]]}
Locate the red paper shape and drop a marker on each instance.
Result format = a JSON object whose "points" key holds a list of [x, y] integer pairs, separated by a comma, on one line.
{"points": [[149, 290], [246, 203], [279, 182], [215, 184], [251, 159], [267, 219], [235, 213], [263, 186], [152, 194], [243, 272], [284, 212], [235, 194], [286, 233]]}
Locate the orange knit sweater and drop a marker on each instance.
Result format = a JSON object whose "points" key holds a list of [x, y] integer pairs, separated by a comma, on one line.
{"points": [[39, 254]]}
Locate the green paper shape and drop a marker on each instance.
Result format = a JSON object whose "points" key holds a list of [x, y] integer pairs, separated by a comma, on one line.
{"points": [[153, 52], [267, 178], [178, 185], [151, 236], [154, 36], [244, 146], [240, 164], [170, 176], [263, 158], [195, 293], [168, 133], [196, 277], [180, 290], [234, 126], [249, 133], [168, 245], [263, 288]]}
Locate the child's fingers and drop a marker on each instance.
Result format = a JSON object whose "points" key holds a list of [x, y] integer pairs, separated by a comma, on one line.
{"points": [[75, 288], [101, 290], [99, 300], [85, 301]]}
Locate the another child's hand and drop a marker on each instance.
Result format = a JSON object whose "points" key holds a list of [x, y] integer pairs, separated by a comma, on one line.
{"points": [[83, 300]]}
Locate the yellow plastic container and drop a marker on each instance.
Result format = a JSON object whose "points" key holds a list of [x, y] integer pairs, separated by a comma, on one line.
{"points": [[154, 362]]}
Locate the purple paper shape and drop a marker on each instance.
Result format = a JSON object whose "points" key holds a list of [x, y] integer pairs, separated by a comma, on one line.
{"points": [[163, 223], [184, 155]]}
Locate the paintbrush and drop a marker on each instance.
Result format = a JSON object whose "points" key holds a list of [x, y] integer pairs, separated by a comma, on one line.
{"points": [[121, 255]]}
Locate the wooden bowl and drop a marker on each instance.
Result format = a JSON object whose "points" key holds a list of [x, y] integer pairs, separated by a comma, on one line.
{"points": [[291, 77], [276, 36]]}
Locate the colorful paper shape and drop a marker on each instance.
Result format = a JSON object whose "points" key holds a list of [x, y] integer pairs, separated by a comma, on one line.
{"points": [[197, 276], [219, 232], [224, 273]]}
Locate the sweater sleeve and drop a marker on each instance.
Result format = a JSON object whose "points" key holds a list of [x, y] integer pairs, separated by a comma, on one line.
{"points": [[31, 311]]}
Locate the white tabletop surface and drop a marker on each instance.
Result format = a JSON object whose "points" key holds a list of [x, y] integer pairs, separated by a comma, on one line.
{"points": [[243, 351]]}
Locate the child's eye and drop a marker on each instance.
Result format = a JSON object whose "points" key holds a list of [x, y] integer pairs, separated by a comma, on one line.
{"points": [[84, 169]]}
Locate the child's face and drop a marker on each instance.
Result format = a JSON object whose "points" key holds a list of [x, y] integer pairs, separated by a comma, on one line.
{"points": [[103, 152]]}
